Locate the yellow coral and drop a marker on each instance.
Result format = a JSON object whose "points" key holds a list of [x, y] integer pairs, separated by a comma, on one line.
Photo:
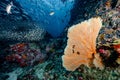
{"points": [[81, 45]]}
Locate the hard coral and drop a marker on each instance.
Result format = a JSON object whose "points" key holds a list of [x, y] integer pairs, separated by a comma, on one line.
{"points": [[81, 45]]}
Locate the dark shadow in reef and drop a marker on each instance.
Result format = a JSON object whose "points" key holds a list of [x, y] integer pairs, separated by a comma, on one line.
{"points": [[109, 59], [84, 9], [114, 3]]}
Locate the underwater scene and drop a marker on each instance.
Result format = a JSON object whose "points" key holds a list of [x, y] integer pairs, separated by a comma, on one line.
{"points": [[59, 39]]}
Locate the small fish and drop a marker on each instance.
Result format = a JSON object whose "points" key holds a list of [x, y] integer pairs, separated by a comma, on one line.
{"points": [[8, 8], [52, 13]]}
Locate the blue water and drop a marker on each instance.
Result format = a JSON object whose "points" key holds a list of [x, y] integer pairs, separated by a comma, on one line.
{"points": [[52, 15]]}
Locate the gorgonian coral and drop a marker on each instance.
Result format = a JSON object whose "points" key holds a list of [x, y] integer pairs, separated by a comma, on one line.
{"points": [[81, 45]]}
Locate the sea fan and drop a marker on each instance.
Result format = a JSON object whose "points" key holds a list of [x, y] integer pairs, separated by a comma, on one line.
{"points": [[81, 45]]}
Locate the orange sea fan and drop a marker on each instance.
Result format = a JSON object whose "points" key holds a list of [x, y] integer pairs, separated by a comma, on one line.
{"points": [[81, 45]]}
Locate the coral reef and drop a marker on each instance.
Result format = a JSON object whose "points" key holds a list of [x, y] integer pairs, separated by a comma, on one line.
{"points": [[24, 56], [107, 47]]}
